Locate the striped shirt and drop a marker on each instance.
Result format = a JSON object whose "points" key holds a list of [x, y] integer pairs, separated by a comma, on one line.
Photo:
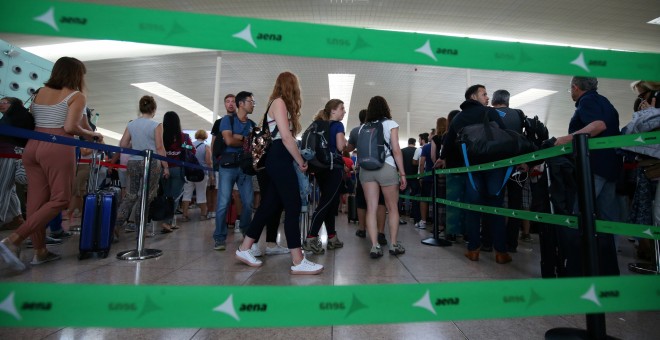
{"points": [[52, 116]]}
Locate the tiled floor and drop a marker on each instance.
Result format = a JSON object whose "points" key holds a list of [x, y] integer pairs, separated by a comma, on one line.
{"points": [[188, 259]]}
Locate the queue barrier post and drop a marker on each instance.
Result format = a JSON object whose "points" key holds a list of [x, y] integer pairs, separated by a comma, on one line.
{"points": [[141, 253], [435, 240], [589, 240]]}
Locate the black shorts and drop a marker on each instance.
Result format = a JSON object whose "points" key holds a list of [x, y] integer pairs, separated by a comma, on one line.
{"points": [[360, 202]]}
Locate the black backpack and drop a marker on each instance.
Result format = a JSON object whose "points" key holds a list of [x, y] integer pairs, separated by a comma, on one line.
{"points": [[17, 116], [535, 131], [317, 138], [371, 146]]}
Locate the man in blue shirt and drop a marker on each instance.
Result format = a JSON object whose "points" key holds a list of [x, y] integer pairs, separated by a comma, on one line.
{"points": [[595, 115], [234, 129]]}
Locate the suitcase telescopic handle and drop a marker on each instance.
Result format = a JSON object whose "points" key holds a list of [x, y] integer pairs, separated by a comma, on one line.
{"points": [[95, 166]]}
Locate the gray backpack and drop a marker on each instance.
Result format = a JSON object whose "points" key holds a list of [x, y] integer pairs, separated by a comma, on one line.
{"points": [[371, 145]]}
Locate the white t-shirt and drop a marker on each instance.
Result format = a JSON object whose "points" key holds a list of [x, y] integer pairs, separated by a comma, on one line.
{"points": [[418, 154], [388, 125]]}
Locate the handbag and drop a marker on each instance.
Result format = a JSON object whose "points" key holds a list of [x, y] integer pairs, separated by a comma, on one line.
{"points": [[229, 160], [256, 146], [187, 155], [486, 142], [162, 207], [650, 168]]}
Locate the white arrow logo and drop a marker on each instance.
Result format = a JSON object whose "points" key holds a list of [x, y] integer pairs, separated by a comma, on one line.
{"points": [[648, 232], [640, 139], [579, 61], [426, 49], [591, 295], [227, 307], [9, 307], [425, 302], [48, 18], [246, 35]]}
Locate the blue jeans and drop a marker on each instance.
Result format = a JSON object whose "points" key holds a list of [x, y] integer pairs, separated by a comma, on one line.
{"points": [[173, 186], [488, 192], [455, 192], [229, 176], [303, 183]]}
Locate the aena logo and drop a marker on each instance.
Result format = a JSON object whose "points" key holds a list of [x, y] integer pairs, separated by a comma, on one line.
{"points": [[597, 63], [609, 293], [36, 306], [447, 301], [266, 36], [73, 20], [446, 51], [253, 307], [332, 306]]}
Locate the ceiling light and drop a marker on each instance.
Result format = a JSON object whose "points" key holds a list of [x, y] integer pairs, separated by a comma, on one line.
{"points": [[341, 87], [177, 98], [529, 96], [109, 133], [655, 21], [105, 49]]}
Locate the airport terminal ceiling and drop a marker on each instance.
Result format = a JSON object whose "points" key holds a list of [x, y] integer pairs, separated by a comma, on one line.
{"points": [[425, 92]]}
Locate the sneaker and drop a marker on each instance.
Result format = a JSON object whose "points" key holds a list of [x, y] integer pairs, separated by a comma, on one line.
{"points": [[306, 267], [334, 242], [11, 254], [247, 257], [47, 258], [376, 252], [420, 225], [256, 252], [277, 250], [381, 239], [61, 235], [397, 249], [237, 226], [361, 233], [313, 244], [220, 245], [50, 241], [212, 214], [526, 238], [402, 221]]}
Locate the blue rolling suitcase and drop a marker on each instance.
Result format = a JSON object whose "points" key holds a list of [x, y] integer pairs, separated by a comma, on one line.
{"points": [[98, 217]]}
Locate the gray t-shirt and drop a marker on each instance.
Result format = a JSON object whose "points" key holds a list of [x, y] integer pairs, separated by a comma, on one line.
{"points": [[353, 136], [143, 132]]}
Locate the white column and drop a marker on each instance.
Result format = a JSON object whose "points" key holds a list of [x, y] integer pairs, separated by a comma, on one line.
{"points": [[217, 97]]}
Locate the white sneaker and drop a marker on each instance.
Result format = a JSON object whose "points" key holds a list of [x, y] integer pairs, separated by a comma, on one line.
{"points": [[256, 251], [277, 250], [420, 225], [306, 267], [246, 257], [212, 214], [237, 226]]}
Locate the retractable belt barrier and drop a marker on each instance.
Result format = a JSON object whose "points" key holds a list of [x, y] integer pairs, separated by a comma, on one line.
{"points": [[7, 130], [618, 228]]}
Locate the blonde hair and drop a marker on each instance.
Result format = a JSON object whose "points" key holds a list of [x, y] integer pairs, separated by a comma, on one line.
{"points": [[201, 134], [441, 126], [324, 114], [287, 87], [642, 86]]}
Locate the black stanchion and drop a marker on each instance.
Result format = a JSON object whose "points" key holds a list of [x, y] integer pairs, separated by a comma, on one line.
{"points": [[435, 240], [589, 239]]}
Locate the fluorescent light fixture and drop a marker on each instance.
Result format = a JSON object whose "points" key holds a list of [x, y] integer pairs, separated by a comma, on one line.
{"points": [[177, 98], [655, 21], [341, 87], [109, 133], [105, 49], [529, 96]]}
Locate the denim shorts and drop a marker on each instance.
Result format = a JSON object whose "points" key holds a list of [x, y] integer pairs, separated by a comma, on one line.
{"points": [[384, 176]]}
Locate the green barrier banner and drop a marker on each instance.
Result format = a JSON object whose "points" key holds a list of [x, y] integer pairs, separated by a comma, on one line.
{"points": [[639, 139], [75, 305], [617, 228], [83, 20]]}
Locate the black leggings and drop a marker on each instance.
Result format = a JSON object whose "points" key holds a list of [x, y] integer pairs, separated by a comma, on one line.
{"points": [[281, 192], [273, 223], [329, 182]]}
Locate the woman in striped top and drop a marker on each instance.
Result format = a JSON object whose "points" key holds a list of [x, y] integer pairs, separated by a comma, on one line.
{"points": [[58, 109]]}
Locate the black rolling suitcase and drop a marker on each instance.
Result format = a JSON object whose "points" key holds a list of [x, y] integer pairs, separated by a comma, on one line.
{"points": [[98, 216]]}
